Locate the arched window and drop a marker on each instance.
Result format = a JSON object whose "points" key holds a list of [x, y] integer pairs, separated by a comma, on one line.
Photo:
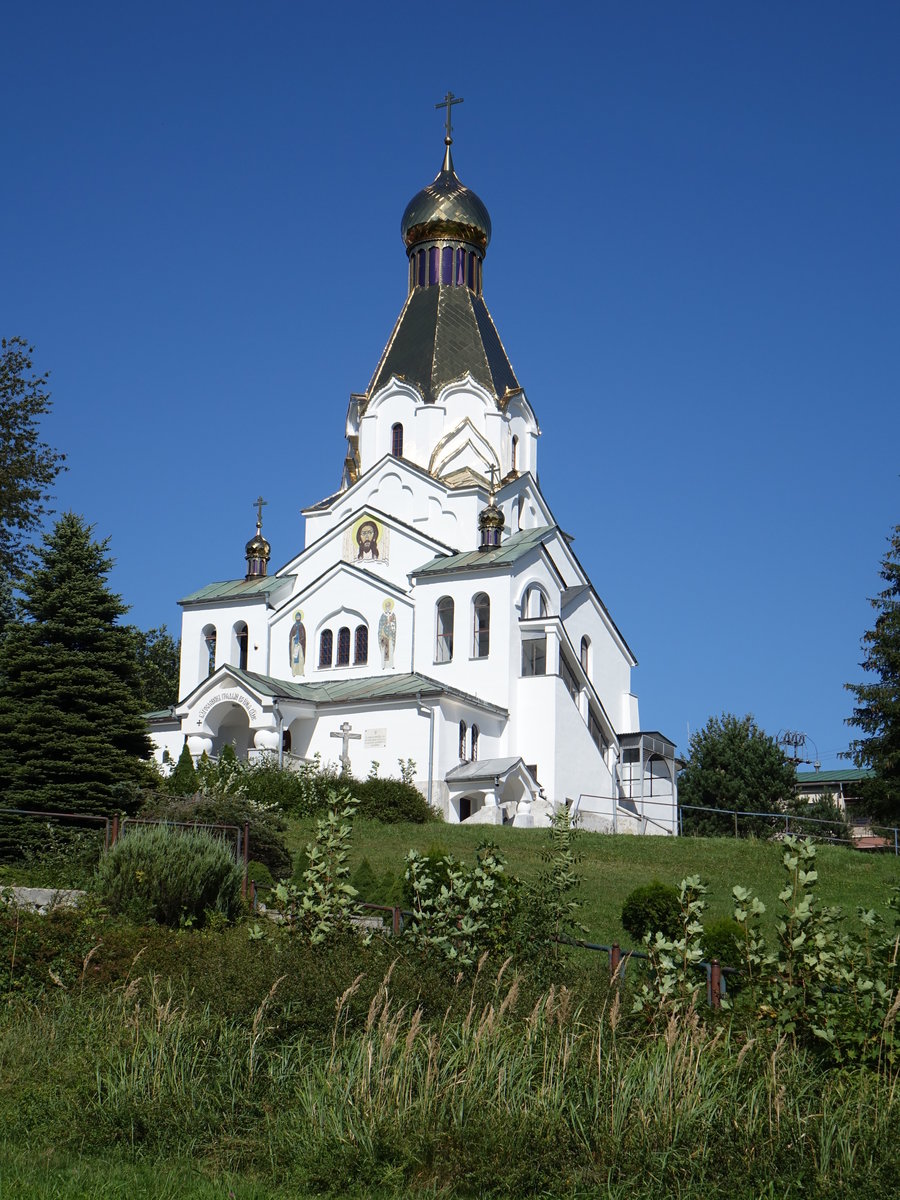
{"points": [[443, 634], [397, 440], [473, 742], [326, 644], [240, 636], [586, 654], [343, 651], [209, 637], [481, 626], [515, 447], [462, 741], [534, 602], [361, 650]]}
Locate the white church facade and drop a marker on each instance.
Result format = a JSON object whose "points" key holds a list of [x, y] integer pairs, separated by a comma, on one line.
{"points": [[437, 612]]}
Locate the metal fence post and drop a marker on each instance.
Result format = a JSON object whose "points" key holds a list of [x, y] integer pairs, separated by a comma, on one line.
{"points": [[246, 855], [114, 834], [615, 958], [395, 920], [715, 984]]}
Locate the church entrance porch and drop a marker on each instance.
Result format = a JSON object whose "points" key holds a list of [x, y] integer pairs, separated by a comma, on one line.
{"points": [[494, 791]]}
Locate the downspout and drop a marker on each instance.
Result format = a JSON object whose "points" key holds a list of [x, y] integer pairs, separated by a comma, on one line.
{"points": [[278, 713], [429, 709]]}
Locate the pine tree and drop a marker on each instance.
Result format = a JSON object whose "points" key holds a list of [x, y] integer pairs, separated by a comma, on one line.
{"points": [[877, 710], [72, 738], [183, 780]]}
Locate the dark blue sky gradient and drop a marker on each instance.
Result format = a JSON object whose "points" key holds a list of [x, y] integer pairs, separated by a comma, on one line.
{"points": [[694, 270]]}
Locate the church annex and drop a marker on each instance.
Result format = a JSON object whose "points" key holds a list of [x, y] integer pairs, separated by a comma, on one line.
{"points": [[437, 612]]}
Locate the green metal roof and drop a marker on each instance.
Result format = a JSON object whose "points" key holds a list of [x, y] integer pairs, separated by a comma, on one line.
{"points": [[505, 555], [347, 691], [848, 775], [238, 589]]}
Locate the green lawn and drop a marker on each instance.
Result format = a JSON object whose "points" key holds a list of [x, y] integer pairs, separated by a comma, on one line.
{"points": [[611, 866]]}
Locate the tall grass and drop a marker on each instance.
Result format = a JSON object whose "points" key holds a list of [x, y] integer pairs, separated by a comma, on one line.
{"points": [[505, 1097]]}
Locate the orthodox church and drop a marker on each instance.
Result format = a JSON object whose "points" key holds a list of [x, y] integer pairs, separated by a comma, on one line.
{"points": [[437, 611]]}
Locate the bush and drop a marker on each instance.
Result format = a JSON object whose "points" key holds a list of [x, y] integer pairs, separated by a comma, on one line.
{"points": [[299, 791], [267, 844], [723, 939], [391, 801], [154, 873], [653, 907]]}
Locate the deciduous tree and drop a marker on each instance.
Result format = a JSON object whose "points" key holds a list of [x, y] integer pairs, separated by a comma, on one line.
{"points": [[877, 710], [72, 737], [28, 466], [158, 661]]}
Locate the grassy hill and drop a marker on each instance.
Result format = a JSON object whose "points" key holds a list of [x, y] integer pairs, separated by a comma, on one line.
{"points": [[611, 866]]}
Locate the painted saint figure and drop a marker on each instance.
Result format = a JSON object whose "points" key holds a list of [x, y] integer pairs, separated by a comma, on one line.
{"points": [[387, 634], [297, 643]]}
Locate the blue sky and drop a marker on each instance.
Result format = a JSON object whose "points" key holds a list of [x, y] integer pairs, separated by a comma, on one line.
{"points": [[694, 270]]}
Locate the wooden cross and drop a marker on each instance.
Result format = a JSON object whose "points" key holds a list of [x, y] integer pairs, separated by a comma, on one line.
{"points": [[447, 101], [258, 504], [346, 737]]}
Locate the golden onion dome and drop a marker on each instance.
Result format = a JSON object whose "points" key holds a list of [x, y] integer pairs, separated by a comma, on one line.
{"points": [[491, 517], [258, 547], [446, 210]]}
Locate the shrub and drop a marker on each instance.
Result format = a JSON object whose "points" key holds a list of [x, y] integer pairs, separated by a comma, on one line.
{"points": [[723, 939], [298, 791], [267, 844], [154, 873], [391, 801], [652, 908]]}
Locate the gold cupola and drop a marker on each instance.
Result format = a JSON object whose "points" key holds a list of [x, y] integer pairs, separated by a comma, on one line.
{"points": [[446, 227], [258, 551]]}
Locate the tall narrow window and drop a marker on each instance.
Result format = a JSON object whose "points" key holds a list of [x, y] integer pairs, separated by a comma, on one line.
{"points": [[240, 636], [343, 651], [534, 602], [462, 741], [534, 656], [443, 639], [481, 626], [209, 637], [397, 441], [361, 655], [514, 452], [586, 654], [473, 742], [326, 645]]}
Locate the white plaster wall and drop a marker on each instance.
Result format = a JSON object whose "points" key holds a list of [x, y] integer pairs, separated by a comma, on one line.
{"points": [[348, 597], [223, 617], [405, 732], [487, 678]]}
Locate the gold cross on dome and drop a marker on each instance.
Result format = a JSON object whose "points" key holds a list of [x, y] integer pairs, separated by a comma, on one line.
{"points": [[447, 101], [258, 505]]}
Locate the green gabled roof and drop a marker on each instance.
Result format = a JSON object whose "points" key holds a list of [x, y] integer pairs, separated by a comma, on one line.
{"points": [[845, 775], [505, 555], [239, 589], [343, 691]]}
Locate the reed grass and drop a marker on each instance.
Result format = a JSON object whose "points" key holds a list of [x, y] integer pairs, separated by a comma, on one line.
{"points": [[508, 1096]]}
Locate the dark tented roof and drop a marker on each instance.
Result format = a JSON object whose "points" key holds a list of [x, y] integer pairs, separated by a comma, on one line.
{"points": [[442, 333]]}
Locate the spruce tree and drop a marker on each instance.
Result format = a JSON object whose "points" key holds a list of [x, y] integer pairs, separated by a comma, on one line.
{"points": [[877, 711], [72, 738]]}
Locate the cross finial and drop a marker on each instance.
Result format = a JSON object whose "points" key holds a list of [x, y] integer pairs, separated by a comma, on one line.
{"points": [[258, 504], [447, 102]]}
